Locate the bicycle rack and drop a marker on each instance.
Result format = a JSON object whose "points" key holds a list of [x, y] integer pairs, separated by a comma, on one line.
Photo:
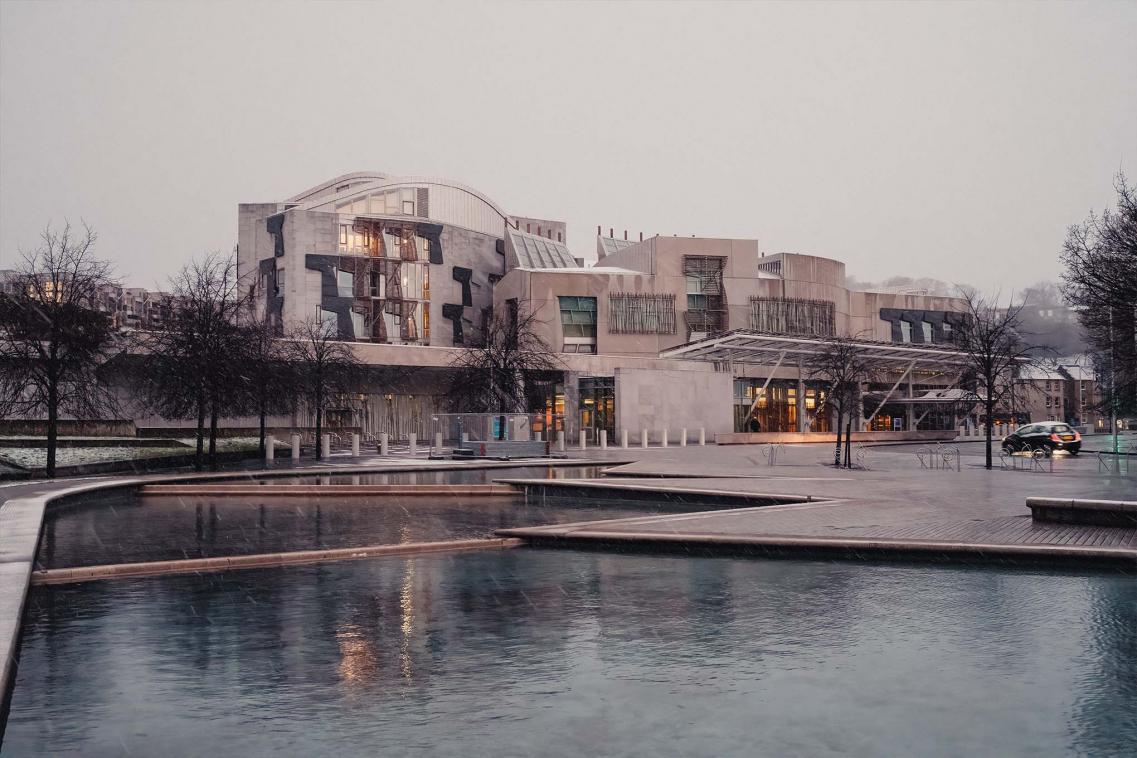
{"points": [[862, 456], [942, 458], [1038, 460], [771, 452]]}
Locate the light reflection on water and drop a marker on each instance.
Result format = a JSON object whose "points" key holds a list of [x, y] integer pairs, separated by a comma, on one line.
{"points": [[125, 528], [527, 652]]}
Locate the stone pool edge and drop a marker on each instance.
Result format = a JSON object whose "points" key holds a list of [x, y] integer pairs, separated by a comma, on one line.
{"points": [[792, 546]]}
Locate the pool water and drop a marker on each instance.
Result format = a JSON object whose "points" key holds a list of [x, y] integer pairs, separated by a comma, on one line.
{"points": [[566, 653]]}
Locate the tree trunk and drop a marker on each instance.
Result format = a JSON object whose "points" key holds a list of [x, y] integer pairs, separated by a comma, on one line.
{"points": [[213, 436], [319, 394], [989, 404], [263, 414], [849, 443], [52, 425], [837, 452], [198, 458]]}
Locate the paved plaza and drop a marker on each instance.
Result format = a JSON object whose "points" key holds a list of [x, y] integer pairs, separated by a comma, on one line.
{"points": [[895, 498]]}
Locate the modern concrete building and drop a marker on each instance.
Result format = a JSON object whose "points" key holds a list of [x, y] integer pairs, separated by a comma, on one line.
{"points": [[662, 332]]}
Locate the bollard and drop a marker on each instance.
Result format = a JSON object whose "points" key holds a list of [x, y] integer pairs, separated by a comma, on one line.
{"points": [[270, 448], [326, 445], [624, 438], [583, 439], [414, 443], [561, 441], [603, 439], [384, 444], [354, 445], [663, 439], [465, 437], [438, 441], [683, 437], [296, 447], [702, 436], [643, 439]]}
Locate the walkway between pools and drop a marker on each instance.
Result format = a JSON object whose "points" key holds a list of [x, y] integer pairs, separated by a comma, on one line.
{"points": [[896, 507]]}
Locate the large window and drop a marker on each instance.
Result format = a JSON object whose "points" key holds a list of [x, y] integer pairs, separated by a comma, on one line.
{"points": [[641, 314], [810, 318], [775, 408], [905, 331], [578, 324], [345, 283], [706, 300], [598, 406]]}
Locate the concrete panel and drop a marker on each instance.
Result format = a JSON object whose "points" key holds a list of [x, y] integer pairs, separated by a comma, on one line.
{"points": [[654, 399]]}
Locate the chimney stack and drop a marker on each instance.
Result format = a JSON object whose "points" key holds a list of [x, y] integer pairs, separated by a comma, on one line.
{"points": [[598, 231], [641, 236], [625, 235], [611, 233]]}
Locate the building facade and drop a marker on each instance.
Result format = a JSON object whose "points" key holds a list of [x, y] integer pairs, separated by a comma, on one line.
{"points": [[411, 268]]}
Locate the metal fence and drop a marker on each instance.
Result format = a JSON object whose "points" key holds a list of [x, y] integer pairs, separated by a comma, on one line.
{"points": [[456, 428]]}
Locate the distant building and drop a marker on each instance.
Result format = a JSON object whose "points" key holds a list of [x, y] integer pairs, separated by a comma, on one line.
{"points": [[1067, 390], [665, 331]]}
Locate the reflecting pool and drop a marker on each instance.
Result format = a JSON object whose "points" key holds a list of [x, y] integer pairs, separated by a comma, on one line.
{"points": [[534, 652]]}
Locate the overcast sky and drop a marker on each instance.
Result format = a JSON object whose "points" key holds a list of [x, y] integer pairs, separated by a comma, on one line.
{"points": [[952, 140]]}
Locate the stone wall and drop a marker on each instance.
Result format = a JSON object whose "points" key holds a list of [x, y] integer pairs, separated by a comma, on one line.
{"points": [[653, 399]]}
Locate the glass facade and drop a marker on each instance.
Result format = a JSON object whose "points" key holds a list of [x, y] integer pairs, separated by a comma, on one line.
{"points": [[776, 408], [598, 406]]}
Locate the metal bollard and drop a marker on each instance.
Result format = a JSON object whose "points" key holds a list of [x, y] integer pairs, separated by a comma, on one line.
{"points": [[414, 443], [354, 444], [296, 447], [702, 436], [643, 439], [384, 444], [663, 439], [270, 448], [583, 439], [683, 437], [561, 441], [624, 438], [603, 439], [326, 445]]}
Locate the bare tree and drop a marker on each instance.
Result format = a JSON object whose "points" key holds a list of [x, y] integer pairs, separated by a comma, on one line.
{"points": [[193, 370], [1100, 280], [992, 338], [843, 365], [267, 379], [491, 375], [324, 367], [53, 340]]}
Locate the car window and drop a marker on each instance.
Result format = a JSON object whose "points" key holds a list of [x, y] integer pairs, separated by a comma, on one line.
{"points": [[1062, 428], [1028, 430]]}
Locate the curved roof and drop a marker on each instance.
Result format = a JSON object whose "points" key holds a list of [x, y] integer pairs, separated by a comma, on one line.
{"points": [[363, 182], [328, 187]]}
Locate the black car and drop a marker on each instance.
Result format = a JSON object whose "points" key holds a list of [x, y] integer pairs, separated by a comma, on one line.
{"points": [[1047, 436]]}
